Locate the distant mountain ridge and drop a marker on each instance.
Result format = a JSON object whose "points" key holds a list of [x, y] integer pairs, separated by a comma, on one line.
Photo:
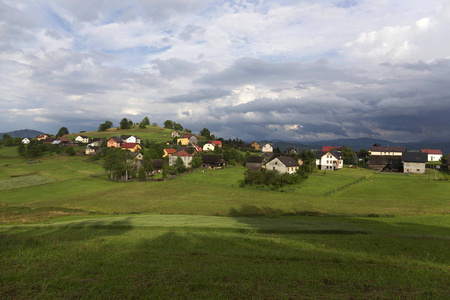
{"points": [[23, 133], [359, 143]]}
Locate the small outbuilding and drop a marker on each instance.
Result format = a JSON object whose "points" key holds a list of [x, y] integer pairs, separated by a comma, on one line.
{"points": [[414, 162]]}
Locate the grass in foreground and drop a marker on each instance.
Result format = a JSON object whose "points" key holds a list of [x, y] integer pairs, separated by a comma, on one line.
{"points": [[216, 257]]}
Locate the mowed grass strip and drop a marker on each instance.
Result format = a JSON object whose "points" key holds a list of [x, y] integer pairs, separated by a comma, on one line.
{"points": [[131, 256], [23, 181]]}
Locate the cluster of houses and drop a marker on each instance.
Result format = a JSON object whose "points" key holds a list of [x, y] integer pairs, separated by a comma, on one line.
{"points": [[392, 158], [398, 159]]}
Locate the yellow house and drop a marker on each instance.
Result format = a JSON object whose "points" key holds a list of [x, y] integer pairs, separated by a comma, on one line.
{"points": [[183, 141]]}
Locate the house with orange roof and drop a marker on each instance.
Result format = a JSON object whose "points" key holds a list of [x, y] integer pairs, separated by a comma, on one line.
{"points": [[132, 147], [185, 157], [169, 151]]}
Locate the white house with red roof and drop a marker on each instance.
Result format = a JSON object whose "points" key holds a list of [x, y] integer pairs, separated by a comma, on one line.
{"points": [[185, 157], [209, 147], [433, 154]]}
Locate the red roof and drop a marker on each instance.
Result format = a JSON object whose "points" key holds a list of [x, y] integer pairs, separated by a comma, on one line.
{"points": [[129, 145], [329, 148], [199, 149], [182, 153], [431, 151], [218, 143], [170, 150]]}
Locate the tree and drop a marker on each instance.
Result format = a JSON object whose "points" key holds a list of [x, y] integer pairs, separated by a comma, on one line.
{"points": [[196, 161], [62, 131], [146, 121], [188, 131], [155, 124], [105, 126], [177, 126], [168, 124], [179, 165], [125, 123], [206, 133]]}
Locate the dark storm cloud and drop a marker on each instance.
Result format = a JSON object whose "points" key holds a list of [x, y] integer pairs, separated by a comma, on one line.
{"points": [[256, 71]]}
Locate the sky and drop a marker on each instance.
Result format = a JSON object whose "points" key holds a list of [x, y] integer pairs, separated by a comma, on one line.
{"points": [[290, 70]]}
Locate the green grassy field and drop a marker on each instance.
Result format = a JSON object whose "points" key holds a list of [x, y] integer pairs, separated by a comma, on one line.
{"points": [[152, 133], [346, 234]]}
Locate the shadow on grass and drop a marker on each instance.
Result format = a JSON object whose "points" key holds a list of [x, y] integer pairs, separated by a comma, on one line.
{"points": [[114, 260], [266, 220]]}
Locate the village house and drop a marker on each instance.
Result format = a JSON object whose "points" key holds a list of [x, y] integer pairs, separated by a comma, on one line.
{"points": [[42, 137], [175, 134], [197, 148], [185, 157], [48, 140], [255, 146], [61, 141], [114, 142], [131, 139], [283, 164], [208, 147], [290, 151], [254, 162], [433, 154], [414, 162], [26, 141], [329, 160], [82, 139], [96, 142], [386, 158], [267, 148], [132, 147], [169, 151], [213, 162], [183, 141], [157, 165], [90, 150], [217, 143], [192, 138]]}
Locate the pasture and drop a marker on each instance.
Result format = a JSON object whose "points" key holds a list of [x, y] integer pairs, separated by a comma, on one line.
{"points": [[346, 234]]}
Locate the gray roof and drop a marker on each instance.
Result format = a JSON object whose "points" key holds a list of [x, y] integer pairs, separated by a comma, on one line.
{"points": [[254, 159], [288, 161], [415, 157]]}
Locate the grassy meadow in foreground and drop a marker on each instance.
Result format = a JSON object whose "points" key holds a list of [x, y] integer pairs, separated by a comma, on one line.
{"points": [[346, 234]]}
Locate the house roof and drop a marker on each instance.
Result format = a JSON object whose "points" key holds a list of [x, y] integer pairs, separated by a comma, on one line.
{"points": [[64, 139], [288, 161], [157, 163], [182, 153], [130, 145], [170, 150], [118, 140], [211, 159], [329, 148], [124, 136], [319, 154], [431, 151], [388, 149], [199, 149], [415, 157], [83, 136], [215, 142], [254, 159]]}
